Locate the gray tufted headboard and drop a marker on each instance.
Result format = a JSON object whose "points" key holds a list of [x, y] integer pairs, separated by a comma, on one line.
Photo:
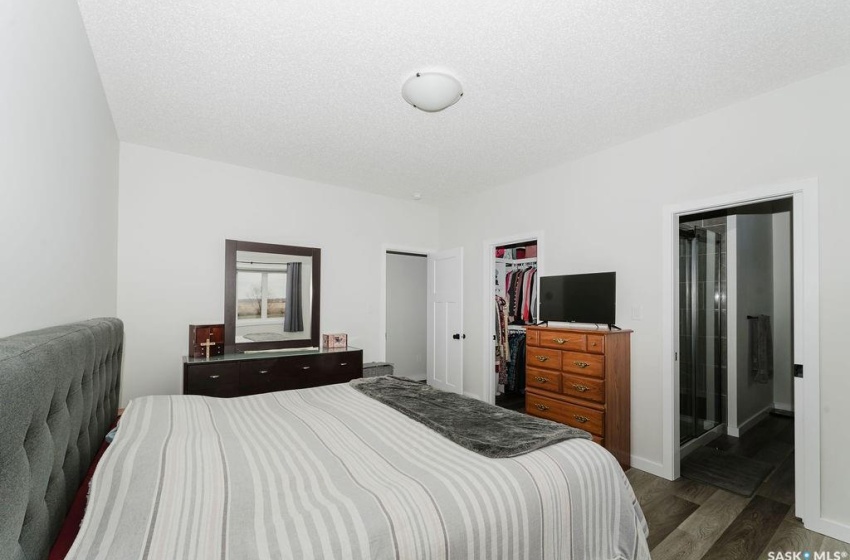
{"points": [[58, 396]]}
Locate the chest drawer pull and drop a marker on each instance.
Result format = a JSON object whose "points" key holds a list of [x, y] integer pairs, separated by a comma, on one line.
{"points": [[305, 367], [214, 376], [581, 364], [580, 388], [581, 419], [343, 364], [263, 371], [542, 358], [560, 340], [541, 407], [541, 379]]}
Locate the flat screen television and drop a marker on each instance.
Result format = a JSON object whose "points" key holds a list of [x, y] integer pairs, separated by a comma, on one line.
{"points": [[579, 298]]}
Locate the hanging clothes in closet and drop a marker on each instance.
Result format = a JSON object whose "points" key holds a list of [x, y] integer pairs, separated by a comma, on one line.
{"points": [[502, 355], [515, 382], [521, 291]]}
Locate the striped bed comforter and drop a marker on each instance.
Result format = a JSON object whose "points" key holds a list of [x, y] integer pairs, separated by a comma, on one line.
{"points": [[331, 473]]}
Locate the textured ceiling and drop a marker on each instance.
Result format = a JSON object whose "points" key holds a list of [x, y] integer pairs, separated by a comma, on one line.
{"points": [[312, 89]]}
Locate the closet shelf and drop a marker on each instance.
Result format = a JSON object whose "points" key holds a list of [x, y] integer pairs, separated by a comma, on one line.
{"points": [[516, 261]]}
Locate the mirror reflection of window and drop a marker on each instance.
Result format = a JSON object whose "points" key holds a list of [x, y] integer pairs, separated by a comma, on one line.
{"points": [[249, 295], [276, 294], [260, 290]]}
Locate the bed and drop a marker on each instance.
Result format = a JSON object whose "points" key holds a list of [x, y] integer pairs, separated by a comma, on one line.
{"points": [[328, 472], [58, 398]]}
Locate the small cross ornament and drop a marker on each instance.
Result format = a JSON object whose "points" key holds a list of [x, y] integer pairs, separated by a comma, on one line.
{"points": [[208, 344]]}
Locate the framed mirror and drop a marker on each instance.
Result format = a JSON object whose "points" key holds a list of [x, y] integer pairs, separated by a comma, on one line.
{"points": [[271, 296]]}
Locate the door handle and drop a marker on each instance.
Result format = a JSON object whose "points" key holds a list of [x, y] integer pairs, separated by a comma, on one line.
{"points": [[457, 336]]}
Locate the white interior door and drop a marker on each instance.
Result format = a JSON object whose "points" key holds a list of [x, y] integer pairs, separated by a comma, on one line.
{"points": [[445, 320]]}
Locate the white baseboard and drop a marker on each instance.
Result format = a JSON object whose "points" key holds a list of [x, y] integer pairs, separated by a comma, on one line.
{"points": [[646, 465], [749, 422], [472, 395], [829, 528], [783, 406]]}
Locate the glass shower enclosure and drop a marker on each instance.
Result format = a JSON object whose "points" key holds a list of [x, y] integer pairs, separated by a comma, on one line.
{"points": [[702, 290]]}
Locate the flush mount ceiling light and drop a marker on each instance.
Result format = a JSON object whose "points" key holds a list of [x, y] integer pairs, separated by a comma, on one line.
{"points": [[432, 91]]}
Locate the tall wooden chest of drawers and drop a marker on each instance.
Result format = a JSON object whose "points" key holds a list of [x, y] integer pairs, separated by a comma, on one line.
{"points": [[582, 378]]}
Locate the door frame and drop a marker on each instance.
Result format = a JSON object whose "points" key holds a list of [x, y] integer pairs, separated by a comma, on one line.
{"points": [[382, 299], [804, 193], [489, 380]]}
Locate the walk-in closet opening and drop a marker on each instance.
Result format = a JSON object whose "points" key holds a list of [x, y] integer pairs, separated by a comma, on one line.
{"points": [[735, 349], [516, 282]]}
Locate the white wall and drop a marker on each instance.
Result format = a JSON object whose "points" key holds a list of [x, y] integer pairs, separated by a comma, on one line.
{"points": [[754, 256], [58, 171], [783, 323], [175, 212], [604, 212], [407, 305]]}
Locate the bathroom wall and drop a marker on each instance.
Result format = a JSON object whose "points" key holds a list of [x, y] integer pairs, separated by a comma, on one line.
{"points": [[754, 297]]}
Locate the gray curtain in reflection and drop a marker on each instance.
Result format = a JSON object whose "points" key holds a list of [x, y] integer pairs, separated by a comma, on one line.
{"points": [[293, 319]]}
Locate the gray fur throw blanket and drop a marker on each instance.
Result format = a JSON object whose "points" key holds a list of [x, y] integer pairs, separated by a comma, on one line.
{"points": [[480, 427]]}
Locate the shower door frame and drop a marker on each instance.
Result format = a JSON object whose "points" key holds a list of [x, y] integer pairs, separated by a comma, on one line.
{"points": [[807, 420], [716, 411]]}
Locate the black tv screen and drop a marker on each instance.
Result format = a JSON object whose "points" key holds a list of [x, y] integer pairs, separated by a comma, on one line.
{"points": [[579, 298]]}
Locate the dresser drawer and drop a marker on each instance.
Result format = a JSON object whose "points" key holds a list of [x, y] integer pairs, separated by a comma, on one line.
{"points": [[599, 440], [584, 364], [531, 337], [543, 379], [563, 340], [214, 380], [333, 368], [566, 413], [265, 376], [583, 388], [542, 358], [596, 343]]}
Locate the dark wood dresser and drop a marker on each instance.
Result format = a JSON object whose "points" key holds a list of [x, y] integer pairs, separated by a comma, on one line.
{"points": [[235, 375], [582, 378]]}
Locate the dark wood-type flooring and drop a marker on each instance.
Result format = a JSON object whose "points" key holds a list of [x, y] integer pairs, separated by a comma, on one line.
{"points": [[513, 401], [693, 521]]}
